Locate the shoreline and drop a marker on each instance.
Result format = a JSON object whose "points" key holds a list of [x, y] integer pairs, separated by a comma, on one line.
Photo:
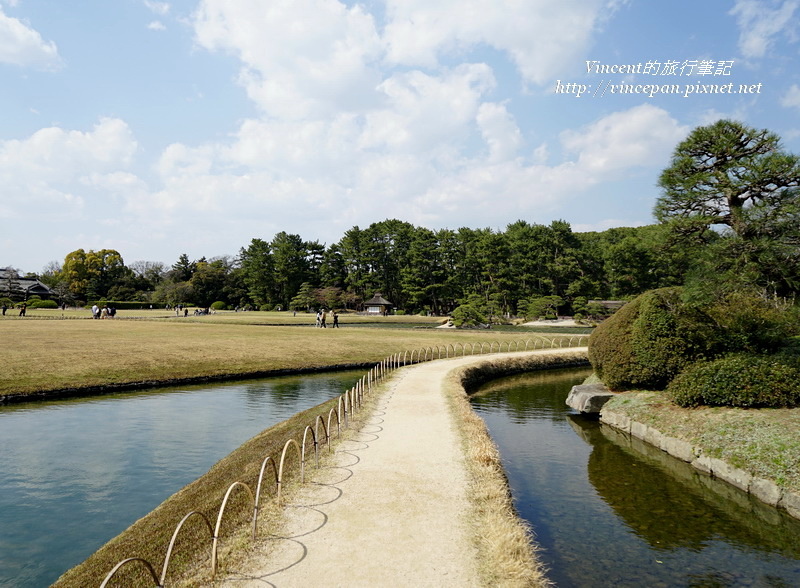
{"points": [[100, 390], [765, 490]]}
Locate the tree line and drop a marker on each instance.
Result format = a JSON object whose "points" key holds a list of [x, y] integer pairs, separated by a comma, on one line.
{"points": [[728, 219], [417, 269]]}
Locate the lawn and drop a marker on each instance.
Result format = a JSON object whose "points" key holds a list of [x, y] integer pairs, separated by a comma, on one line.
{"points": [[40, 356]]}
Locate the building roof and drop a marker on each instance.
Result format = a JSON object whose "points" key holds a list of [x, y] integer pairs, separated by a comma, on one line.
{"points": [[22, 285], [378, 300]]}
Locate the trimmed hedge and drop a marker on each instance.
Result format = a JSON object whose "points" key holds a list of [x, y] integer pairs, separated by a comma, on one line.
{"points": [[650, 340], [43, 304], [746, 381], [124, 305]]}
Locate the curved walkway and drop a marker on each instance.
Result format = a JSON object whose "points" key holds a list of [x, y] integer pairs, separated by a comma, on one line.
{"points": [[392, 507]]}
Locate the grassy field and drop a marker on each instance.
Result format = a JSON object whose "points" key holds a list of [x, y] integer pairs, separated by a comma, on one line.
{"points": [[230, 316], [41, 356]]}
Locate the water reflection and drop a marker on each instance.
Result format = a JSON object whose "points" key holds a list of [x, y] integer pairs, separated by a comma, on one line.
{"points": [[75, 473], [613, 511]]}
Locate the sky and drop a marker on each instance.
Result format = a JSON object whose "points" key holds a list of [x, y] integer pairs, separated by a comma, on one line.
{"points": [[194, 126]]}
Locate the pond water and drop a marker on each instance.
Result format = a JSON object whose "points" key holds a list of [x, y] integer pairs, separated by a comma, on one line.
{"points": [[612, 511], [75, 473]]}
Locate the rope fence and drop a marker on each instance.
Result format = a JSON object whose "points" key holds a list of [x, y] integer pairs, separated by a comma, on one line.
{"points": [[348, 404]]}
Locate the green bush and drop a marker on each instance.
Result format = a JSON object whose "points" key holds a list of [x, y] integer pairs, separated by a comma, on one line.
{"points": [[751, 322], [219, 305], [650, 340], [43, 304], [124, 305], [740, 380]]}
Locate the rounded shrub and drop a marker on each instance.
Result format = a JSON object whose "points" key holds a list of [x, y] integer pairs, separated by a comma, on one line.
{"points": [[650, 340], [219, 305], [739, 380], [43, 304]]}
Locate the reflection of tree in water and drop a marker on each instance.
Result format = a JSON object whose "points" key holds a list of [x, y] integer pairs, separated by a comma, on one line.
{"points": [[513, 393], [288, 390], [279, 391], [647, 488]]}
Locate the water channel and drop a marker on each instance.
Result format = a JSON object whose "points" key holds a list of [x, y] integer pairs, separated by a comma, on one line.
{"points": [[612, 511], [609, 511], [75, 473]]}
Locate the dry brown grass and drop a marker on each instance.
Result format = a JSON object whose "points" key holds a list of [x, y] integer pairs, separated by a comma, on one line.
{"points": [[506, 546], [42, 356]]}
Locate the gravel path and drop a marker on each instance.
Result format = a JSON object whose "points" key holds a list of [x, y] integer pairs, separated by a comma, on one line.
{"points": [[392, 508]]}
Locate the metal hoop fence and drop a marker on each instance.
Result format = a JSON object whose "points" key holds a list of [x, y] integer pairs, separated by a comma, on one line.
{"points": [[347, 405]]}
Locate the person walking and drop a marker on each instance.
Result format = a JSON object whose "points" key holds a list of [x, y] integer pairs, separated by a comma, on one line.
{"points": [[335, 320]]}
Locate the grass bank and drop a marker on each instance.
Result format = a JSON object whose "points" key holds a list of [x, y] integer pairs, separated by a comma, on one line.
{"points": [[507, 549], [764, 442], [45, 358], [190, 563]]}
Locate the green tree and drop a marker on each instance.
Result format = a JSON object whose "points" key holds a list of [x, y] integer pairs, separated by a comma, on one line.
{"points": [[423, 277], [173, 293], [257, 271], [739, 178], [305, 299], [208, 282], [541, 306], [290, 258], [91, 274], [721, 170], [183, 269]]}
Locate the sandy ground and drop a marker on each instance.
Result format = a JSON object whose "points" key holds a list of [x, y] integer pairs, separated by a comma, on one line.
{"points": [[390, 511], [555, 323]]}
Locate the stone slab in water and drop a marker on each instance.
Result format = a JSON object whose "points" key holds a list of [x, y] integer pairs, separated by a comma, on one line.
{"points": [[588, 398]]}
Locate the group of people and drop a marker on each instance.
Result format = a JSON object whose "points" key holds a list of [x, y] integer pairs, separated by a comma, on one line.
{"points": [[104, 312], [323, 316]]}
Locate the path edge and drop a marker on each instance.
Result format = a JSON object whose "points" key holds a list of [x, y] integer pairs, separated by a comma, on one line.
{"points": [[505, 543]]}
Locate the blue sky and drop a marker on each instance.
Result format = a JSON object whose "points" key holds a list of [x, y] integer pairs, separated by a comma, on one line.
{"points": [[160, 128]]}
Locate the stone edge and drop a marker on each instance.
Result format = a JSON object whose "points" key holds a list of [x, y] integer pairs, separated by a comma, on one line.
{"points": [[765, 490]]}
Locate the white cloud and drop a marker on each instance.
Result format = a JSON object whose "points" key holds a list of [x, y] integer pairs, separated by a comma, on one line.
{"points": [[161, 8], [300, 58], [265, 168], [55, 166], [641, 136], [792, 97], [21, 45], [156, 25], [500, 132], [542, 37], [760, 22], [423, 112]]}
